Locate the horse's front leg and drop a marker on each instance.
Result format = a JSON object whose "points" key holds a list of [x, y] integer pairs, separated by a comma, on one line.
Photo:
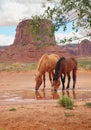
{"points": [[50, 77], [63, 81], [44, 81], [68, 75]]}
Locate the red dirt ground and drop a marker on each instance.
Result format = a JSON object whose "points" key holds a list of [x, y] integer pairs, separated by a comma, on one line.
{"points": [[40, 111]]}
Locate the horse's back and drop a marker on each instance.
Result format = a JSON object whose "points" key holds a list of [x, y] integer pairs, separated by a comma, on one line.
{"points": [[67, 64], [47, 62], [70, 64], [53, 58]]}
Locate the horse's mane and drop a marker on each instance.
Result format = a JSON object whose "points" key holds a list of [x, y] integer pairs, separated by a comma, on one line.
{"points": [[57, 68], [40, 61]]}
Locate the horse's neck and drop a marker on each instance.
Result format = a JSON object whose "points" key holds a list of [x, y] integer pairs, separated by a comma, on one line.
{"points": [[39, 73]]}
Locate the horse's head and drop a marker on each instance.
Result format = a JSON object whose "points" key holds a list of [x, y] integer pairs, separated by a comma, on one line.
{"points": [[38, 80], [56, 84]]}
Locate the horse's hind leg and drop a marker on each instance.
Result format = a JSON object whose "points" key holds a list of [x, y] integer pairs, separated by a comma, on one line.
{"points": [[68, 75], [74, 78], [63, 81]]}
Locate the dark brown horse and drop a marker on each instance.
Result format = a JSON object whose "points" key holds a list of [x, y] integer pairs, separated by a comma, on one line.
{"points": [[63, 67], [46, 63]]}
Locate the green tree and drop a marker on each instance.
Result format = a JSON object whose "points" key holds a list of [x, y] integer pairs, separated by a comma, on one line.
{"points": [[64, 11]]}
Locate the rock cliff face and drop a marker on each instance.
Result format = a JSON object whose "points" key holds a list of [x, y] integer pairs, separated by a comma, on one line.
{"points": [[34, 32], [81, 49], [29, 46]]}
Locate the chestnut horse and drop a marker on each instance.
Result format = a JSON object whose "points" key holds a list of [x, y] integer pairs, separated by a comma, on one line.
{"points": [[63, 67], [47, 63]]}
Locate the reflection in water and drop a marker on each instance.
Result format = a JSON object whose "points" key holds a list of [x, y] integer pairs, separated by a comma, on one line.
{"points": [[39, 96], [54, 95], [68, 93], [46, 95], [74, 94]]}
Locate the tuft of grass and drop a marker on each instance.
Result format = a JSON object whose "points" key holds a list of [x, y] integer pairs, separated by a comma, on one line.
{"points": [[68, 114], [12, 109], [17, 67], [88, 104], [66, 102], [84, 63]]}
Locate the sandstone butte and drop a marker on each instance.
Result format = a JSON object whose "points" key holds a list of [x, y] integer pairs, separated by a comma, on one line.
{"points": [[29, 45]]}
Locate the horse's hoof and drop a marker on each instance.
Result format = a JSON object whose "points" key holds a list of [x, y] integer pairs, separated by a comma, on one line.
{"points": [[36, 89], [55, 90]]}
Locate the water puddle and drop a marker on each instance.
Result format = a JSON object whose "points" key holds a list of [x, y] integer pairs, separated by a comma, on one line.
{"points": [[31, 96]]}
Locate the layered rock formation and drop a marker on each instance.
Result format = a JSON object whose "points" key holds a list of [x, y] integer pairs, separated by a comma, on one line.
{"points": [[34, 32], [81, 49], [29, 46]]}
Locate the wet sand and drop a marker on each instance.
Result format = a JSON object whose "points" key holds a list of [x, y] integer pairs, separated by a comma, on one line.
{"points": [[40, 110]]}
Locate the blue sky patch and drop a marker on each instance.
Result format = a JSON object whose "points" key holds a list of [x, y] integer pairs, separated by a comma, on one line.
{"points": [[8, 30]]}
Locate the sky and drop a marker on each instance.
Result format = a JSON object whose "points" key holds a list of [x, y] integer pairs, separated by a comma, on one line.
{"points": [[14, 11]]}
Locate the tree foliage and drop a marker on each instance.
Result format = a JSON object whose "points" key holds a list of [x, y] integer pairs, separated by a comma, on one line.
{"points": [[64, 11]]}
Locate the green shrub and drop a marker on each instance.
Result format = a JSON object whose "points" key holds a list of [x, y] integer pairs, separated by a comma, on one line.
{"points": [[12, 109], [88, 104], [66, 102]]}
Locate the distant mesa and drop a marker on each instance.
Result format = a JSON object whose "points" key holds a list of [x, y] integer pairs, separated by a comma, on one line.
{"points": [[30, 44], [81, 49]]}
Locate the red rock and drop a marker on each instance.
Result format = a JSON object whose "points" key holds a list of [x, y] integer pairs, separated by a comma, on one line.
{"points": [[81, 49], [26, 49]]}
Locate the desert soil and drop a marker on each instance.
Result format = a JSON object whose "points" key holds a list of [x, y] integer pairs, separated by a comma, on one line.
{"points": [[21, 108]]}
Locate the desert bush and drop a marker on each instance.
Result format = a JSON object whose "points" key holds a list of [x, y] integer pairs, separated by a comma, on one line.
{"points": [[88, 104], [66, 102], [12, 109]]}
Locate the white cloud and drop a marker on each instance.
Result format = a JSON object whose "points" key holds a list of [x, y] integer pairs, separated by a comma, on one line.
{"points": [[6, 40], [60, 36], [12, 11]]}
